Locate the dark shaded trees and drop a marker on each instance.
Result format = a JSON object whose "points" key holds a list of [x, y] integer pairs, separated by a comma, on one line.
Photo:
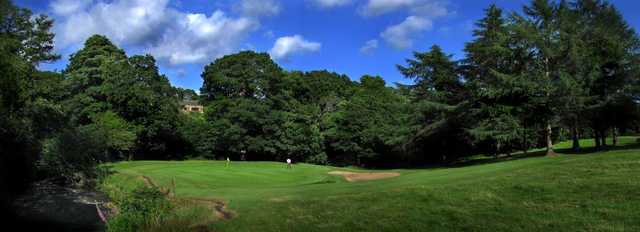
{"points": [[100, 78], [246, 104], [494, 78], [439, 101], [25, 41], [558, 67], [319, 97], [613, 46], [370, 127]]}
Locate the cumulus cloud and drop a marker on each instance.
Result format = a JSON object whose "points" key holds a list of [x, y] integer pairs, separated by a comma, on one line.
{"points": [[430, 9], [257, 8], [287, 46], [421, 14], [424, 8], [369, 47], [197, 38], [379, 7], [172, 36], [400, 36], [65, 7], [330, 3], [123, 21]]}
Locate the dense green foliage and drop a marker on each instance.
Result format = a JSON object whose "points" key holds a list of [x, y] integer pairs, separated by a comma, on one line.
{"points": [[25, 119], [256, 111], [104, 106], [101, 78]]}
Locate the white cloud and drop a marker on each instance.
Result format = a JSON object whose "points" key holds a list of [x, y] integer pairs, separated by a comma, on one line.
{"points": [[197, 38], [257, 8], [330, 3], [369, 47], [421, 14], [171, 35], [430, 9], [287, 46], [65, 7], [125, 22], [400, 36], [379, 7], [426, 8]]}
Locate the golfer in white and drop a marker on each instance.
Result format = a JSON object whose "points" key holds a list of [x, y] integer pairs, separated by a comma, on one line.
{"points": [[288, 163]]}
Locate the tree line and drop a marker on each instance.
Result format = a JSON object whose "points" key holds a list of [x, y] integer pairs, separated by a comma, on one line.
{"points": [[559, 70]]}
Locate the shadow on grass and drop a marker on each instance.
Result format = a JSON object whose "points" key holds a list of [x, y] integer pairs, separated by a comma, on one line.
{"points": [[590, 150], [542, 153], [490, 160]]}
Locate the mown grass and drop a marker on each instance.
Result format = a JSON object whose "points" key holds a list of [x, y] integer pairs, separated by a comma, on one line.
{"points": [[586, 192]]}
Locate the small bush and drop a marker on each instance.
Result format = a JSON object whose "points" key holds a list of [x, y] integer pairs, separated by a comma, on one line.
{"points": [[144, 208], [72, 155]]}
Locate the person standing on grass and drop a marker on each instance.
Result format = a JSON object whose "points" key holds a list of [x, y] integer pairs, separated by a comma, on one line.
{"points": [[228, 161], [289, 163]]}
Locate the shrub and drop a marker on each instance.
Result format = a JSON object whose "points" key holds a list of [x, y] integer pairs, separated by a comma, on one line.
{"points": [[144, 208], [73, 155]]}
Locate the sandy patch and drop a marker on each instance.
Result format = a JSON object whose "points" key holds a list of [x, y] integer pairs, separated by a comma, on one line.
{"points": [[356, 176]]}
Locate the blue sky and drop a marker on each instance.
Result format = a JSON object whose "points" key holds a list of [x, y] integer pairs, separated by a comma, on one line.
{"points": [[352, 37]]}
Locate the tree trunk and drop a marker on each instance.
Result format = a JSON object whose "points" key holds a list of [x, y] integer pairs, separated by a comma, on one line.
{"points": [[576, 139], [525, 145], [596, 136], [614, 136], [550, 151], [603, 139], [548, 132], [497, 152]]}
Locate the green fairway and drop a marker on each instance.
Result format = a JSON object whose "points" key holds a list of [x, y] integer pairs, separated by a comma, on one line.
{"points": [[590, 192]]}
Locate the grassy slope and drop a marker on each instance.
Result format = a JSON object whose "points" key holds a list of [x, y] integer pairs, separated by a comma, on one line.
{"points": [[596, 192]]}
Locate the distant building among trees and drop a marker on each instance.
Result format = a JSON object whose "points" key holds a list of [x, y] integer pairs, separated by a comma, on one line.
{"points": [[190, 106]]}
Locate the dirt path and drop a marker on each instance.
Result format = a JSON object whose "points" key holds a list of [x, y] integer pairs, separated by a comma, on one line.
{"points": [[355, 176]]}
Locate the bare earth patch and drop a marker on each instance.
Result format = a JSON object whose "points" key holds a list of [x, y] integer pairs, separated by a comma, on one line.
{"points": [[218, 207], [279, 199], [355, 176]]}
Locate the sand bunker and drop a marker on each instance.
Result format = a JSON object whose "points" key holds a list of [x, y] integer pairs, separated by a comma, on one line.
{"points": [[355, 176]]}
